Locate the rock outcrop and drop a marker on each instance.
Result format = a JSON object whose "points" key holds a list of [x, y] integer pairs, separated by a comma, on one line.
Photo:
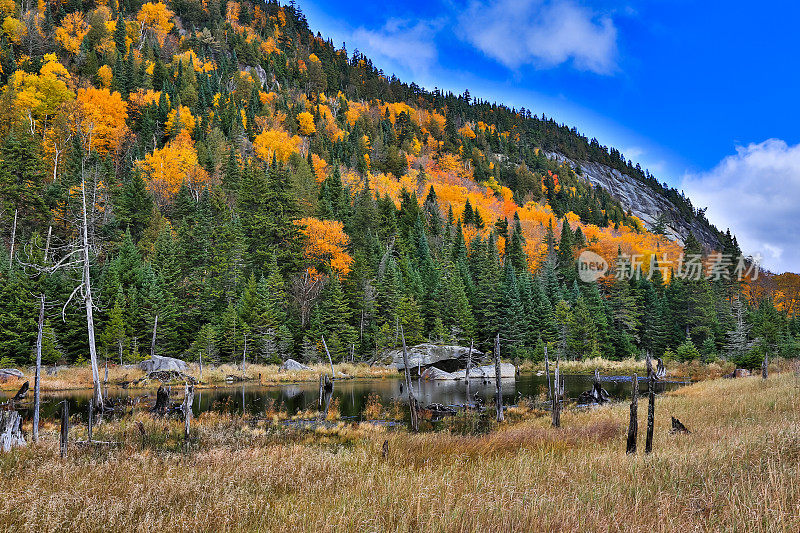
{"points": [[644, 202], [158, 363], [445, 357]]}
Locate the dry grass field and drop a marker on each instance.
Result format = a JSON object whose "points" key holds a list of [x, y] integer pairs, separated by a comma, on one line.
{"points": [[738, 470]]}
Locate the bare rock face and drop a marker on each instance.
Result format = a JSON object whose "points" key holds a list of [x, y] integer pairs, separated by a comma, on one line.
{"points": [[643, 201], [291, 364], [163, 364], [433, 374], [446, 357]]}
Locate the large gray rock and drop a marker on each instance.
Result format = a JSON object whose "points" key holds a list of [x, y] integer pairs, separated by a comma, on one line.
{"points": [[291, 364], [163, 364], [11, 373], [443, 356], [434, 374], [507, 370]]}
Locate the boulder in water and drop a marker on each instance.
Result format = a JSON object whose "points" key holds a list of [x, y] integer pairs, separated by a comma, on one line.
{"points": [[158, 363]]}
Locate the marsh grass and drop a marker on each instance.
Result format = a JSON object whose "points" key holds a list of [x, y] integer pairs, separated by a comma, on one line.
{"points": [[738, 470], [80, 376]]}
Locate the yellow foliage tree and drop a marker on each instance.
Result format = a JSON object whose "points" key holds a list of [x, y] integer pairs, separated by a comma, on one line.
{"points": [[169, 168], [36, 98], [180, 119], [156, 18], [14, 29], [105, 75], [277, 143], [72, 31], [306, 122]]}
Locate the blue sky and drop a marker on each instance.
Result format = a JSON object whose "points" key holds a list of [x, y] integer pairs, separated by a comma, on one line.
{"points": [[701, 93]]}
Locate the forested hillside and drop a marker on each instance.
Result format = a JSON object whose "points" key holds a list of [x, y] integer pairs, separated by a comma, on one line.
{"points": [[216, 173]]}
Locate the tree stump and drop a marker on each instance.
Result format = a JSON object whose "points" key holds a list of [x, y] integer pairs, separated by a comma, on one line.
{"points": [[162, 402], [10, 430]]}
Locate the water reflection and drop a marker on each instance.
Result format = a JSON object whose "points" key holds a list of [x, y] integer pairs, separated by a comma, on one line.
{"points": [[352, 394]]}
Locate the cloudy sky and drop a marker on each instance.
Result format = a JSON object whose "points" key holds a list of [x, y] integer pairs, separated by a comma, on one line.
{"points": [[701, 93]]}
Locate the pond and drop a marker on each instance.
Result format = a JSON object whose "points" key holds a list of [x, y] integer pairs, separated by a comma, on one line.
{"points": [[352, 394]]}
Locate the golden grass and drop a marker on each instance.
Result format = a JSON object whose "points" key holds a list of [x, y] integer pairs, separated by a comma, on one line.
{"points": [[80, 376], [739, 470]]}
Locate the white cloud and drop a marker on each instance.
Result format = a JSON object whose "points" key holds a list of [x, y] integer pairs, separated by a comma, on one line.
{"points": [[542, 33], [400, 43], [755, 193]]}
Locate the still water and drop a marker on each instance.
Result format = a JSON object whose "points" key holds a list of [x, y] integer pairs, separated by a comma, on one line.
{"points": [[352, 394]]}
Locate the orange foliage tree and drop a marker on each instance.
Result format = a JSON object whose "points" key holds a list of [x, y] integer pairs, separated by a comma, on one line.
{"points": [[102, 117], [326, 245]]}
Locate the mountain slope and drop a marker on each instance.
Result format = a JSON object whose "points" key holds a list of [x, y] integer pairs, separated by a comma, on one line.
{"points": [[244, 186]]}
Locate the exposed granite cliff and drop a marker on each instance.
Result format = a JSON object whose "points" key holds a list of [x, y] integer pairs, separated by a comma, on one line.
{"points": [[644, 202]]}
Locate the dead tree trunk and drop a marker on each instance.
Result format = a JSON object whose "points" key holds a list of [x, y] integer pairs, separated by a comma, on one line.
{"points": [[466, 372], [10, 430], [412, 402], [765, 366], [188, 400], [498, 385], [651, 412], [87, 298], [38, 372], [153, 341], [556, 397], [90, 423], [325, 345], [64, 427], [633, 424], [547, 371], [13, 236]]}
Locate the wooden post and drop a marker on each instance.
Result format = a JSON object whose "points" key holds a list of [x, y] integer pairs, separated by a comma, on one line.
{"points": [[499, 397], [91, 423], [188, 400], [412, 402], [765, 366], [547, 371], [633, 424], [651, 412], [37, 376], [466, 372], [64, 427]]}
